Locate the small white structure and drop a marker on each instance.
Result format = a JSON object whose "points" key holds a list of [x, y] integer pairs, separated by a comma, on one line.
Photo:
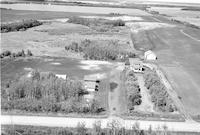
{"points": [[150, 55]]}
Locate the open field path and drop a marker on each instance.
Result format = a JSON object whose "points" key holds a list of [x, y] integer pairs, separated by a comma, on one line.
{"points": [[72, 122], [198, 40]]}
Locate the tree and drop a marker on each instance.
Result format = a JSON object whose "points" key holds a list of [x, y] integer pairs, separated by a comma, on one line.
{"points": [[29, 53], [81, 129]]}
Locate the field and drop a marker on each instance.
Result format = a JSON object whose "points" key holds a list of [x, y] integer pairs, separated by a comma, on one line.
{"points": [[76, 9], [178, 50], [18, 15], [189, 16]]}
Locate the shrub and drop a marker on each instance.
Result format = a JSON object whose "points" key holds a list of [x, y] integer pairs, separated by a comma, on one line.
{"points": [[159, 95], [19, 26], [93, 50], [29, 53], [101, 25], [133, 90], [6, 53], [115, 23]]}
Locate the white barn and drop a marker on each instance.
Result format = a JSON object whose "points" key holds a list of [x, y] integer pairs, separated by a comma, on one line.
{"points": [[150, 55]]}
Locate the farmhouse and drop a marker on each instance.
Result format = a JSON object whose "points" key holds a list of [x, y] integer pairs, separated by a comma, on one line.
{"points": [[150, 55], [136, 65]]}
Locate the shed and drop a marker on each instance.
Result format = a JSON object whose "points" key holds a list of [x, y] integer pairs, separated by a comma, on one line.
{"points": [[150, 55]]}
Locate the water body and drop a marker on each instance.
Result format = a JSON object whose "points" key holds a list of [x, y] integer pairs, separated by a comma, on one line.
{"points": [[75, 9]]}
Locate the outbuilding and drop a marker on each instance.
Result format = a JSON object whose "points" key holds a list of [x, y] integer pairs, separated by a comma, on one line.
{"points": [[150, 55]]}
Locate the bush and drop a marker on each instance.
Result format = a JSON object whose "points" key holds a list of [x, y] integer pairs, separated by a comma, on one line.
{"points": [[19, 26], [159, 95], [95, 51], [29, 53], [116, 23], [133, 90], [101, 25], [18, 54], [6, 53]]}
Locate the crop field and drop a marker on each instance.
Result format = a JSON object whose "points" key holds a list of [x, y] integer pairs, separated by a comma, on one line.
{"points": [[8, 15], [178, 50], [176, 12], [77, 9], [189, 16]]}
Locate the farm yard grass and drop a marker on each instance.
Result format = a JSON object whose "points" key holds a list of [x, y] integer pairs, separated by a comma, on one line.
{"points": [[67, 66]]}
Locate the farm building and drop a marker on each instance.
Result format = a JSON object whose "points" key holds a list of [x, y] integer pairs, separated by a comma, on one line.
{"points": [[136, 65], [91, 83], [150, 55]]}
